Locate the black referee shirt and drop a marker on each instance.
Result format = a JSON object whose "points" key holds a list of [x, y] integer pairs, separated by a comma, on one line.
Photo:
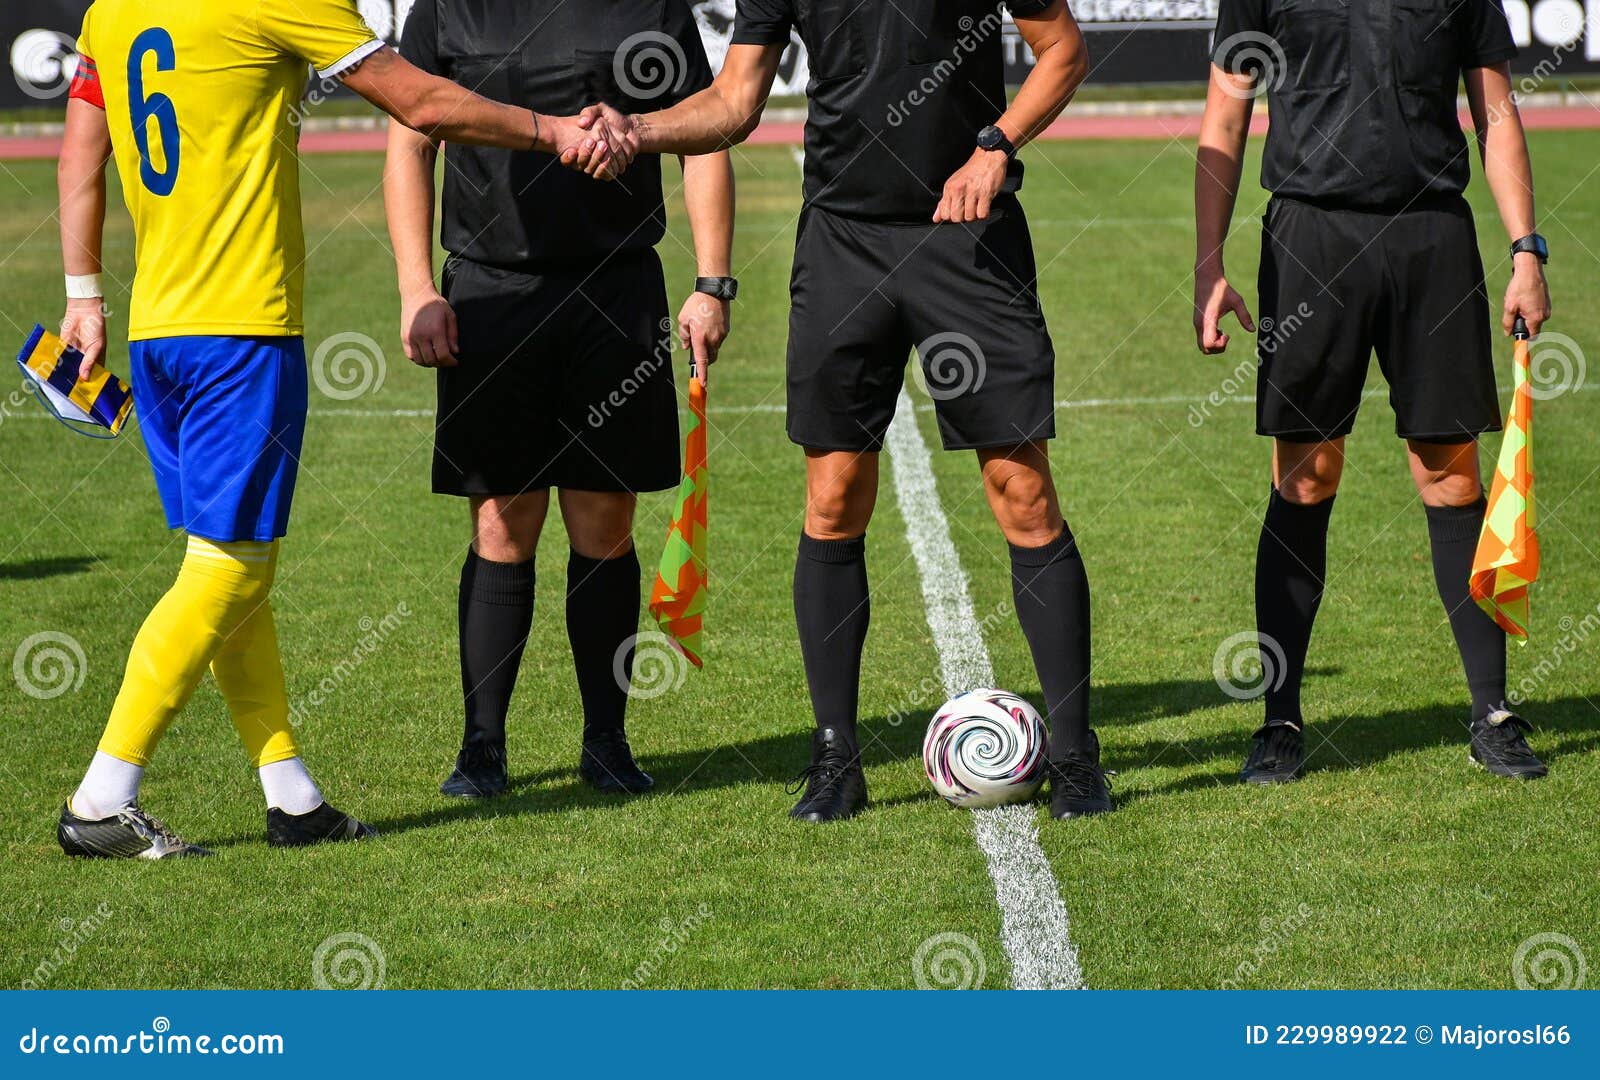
{"points": [[517, 209], [899, 90], [1363, 92]]}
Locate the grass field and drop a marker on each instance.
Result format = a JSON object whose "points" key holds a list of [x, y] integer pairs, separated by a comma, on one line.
{"points": [[1393, 864]]}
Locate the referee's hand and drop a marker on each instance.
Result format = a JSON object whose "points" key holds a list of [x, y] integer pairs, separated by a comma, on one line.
{"points": [[702, 328], [1214, 298], [428, 329]]}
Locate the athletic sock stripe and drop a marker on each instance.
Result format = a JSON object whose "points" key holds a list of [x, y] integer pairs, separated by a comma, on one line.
{"points": [[1034, 927]]}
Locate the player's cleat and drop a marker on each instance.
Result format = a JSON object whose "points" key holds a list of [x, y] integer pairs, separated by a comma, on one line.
{"points": [[1078, 785], [480, 773], [607, 765], [1498, 745], [324, 825], [835, 787], [1278, 754], [127, 834]]}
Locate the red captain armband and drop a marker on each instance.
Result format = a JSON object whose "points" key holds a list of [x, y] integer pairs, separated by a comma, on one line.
{"points": [[86, 84]]}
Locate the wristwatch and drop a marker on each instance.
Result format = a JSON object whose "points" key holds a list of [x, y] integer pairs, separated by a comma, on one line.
{"points": [[992, 138], [1535, 243], [723, 288]]}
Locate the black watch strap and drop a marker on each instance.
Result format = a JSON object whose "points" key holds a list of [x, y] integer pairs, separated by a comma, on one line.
{"points": [[723, 288], [1535, 243]]}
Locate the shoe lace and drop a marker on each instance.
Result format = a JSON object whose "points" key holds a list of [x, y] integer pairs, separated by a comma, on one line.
{"points": [[1077, 777], [149, 824], [1274, 741], [817, 777], [1507, 733]]}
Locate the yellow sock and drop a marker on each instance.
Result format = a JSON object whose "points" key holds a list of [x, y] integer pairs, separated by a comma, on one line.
{"points": [[220, 587], [249, 672]]}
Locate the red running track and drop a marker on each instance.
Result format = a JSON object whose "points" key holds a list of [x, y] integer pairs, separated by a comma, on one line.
{"points": [[1185, 126]]}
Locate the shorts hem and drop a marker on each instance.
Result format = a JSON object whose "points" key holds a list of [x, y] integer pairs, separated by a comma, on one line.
{"points": [[830, 447], [495, 491], [1010, 440], [1304, 435], [1466, 434]]}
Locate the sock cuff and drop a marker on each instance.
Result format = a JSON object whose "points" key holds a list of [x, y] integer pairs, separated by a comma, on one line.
{"points": [[1064, 546], [1278, 505], [852, 549], [580, 566], [253, 560], [1457, 523], [499, 583]]}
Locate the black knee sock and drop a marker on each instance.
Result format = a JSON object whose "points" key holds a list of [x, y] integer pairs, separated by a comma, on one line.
{"points": [[496, 610], [1051, 590], [832, 610], [602, 614], [1291, 566], [1453, 533]]}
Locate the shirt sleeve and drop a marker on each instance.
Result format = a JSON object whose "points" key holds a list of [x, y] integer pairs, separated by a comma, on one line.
{"points": [[680, 23], [419, 42], [330, 35], [1027, 8], [762, 22], [1485, 34], [1238, 44], [86, 80]]}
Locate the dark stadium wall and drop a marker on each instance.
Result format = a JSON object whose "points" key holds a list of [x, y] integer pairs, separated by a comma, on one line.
{"points": [[1130, 41]]}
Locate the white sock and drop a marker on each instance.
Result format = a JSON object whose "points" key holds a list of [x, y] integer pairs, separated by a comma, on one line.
{"points": [[289, 787], [111, 784]]}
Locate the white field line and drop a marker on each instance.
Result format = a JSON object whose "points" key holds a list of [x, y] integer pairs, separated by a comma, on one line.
{"points": [[1034, 928]]}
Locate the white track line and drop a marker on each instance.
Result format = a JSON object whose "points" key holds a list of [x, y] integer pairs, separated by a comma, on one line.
{"points": [[1034, 928]]}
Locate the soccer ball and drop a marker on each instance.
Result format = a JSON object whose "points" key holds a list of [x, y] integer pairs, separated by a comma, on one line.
{"points": [[985, 748]]}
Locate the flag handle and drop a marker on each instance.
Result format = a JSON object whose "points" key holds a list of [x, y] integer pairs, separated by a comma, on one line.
{"points": [[1519, 329]]}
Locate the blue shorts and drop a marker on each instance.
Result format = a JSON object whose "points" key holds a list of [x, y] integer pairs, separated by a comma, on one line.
{"points": [[222, 419]]}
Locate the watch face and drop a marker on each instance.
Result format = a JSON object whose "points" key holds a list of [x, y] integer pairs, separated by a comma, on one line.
{"points": [[990, 138]]}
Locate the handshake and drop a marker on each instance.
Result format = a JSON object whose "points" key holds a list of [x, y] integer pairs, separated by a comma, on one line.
{"points": [[599, 141]]}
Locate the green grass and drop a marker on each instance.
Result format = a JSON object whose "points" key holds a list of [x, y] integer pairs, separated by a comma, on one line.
{"points": [[1412, 868]]}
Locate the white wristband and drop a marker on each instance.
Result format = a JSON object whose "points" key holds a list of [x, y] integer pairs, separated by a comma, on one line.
{"points": [[84, 287]]}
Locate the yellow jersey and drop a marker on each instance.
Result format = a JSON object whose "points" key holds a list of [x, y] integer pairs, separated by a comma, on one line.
{"points": [[203, 102]]}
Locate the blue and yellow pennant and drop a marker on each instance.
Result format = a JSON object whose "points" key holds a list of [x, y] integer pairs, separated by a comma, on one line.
{"points": [[102, 403]]}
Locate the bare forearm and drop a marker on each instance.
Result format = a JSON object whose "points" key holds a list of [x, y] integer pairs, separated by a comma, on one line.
{"points": [[82, 213], [1218, 166], [706, 123], [708, 199], [1057, 73], [408, 199], [1509, 172]]}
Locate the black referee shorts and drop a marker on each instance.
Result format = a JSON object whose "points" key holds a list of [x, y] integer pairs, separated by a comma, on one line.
{"points": [[1337, 285], [565, 380], [865, 293]]}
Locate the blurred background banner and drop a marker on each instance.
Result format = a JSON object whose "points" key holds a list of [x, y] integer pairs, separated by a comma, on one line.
{"points": [[1130, 41]]}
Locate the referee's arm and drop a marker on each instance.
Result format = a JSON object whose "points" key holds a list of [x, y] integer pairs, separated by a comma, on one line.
{"points": [[1224, 129], [427, 322], [708, 200], [718, 117]]}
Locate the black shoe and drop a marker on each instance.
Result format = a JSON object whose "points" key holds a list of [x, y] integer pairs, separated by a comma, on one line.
{"points": [[1278, 754], [835, 787], [1499, 746], [324, 825], [1078, 785], [480, 772], [127, 834], [607, 764]]}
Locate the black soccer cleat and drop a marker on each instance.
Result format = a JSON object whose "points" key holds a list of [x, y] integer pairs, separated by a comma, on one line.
{"points": [[128, 834], [1078, 785], [480, 772], [1499, 745], [607, 765], [324, 825], [835, 786], [1278, 754]]}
